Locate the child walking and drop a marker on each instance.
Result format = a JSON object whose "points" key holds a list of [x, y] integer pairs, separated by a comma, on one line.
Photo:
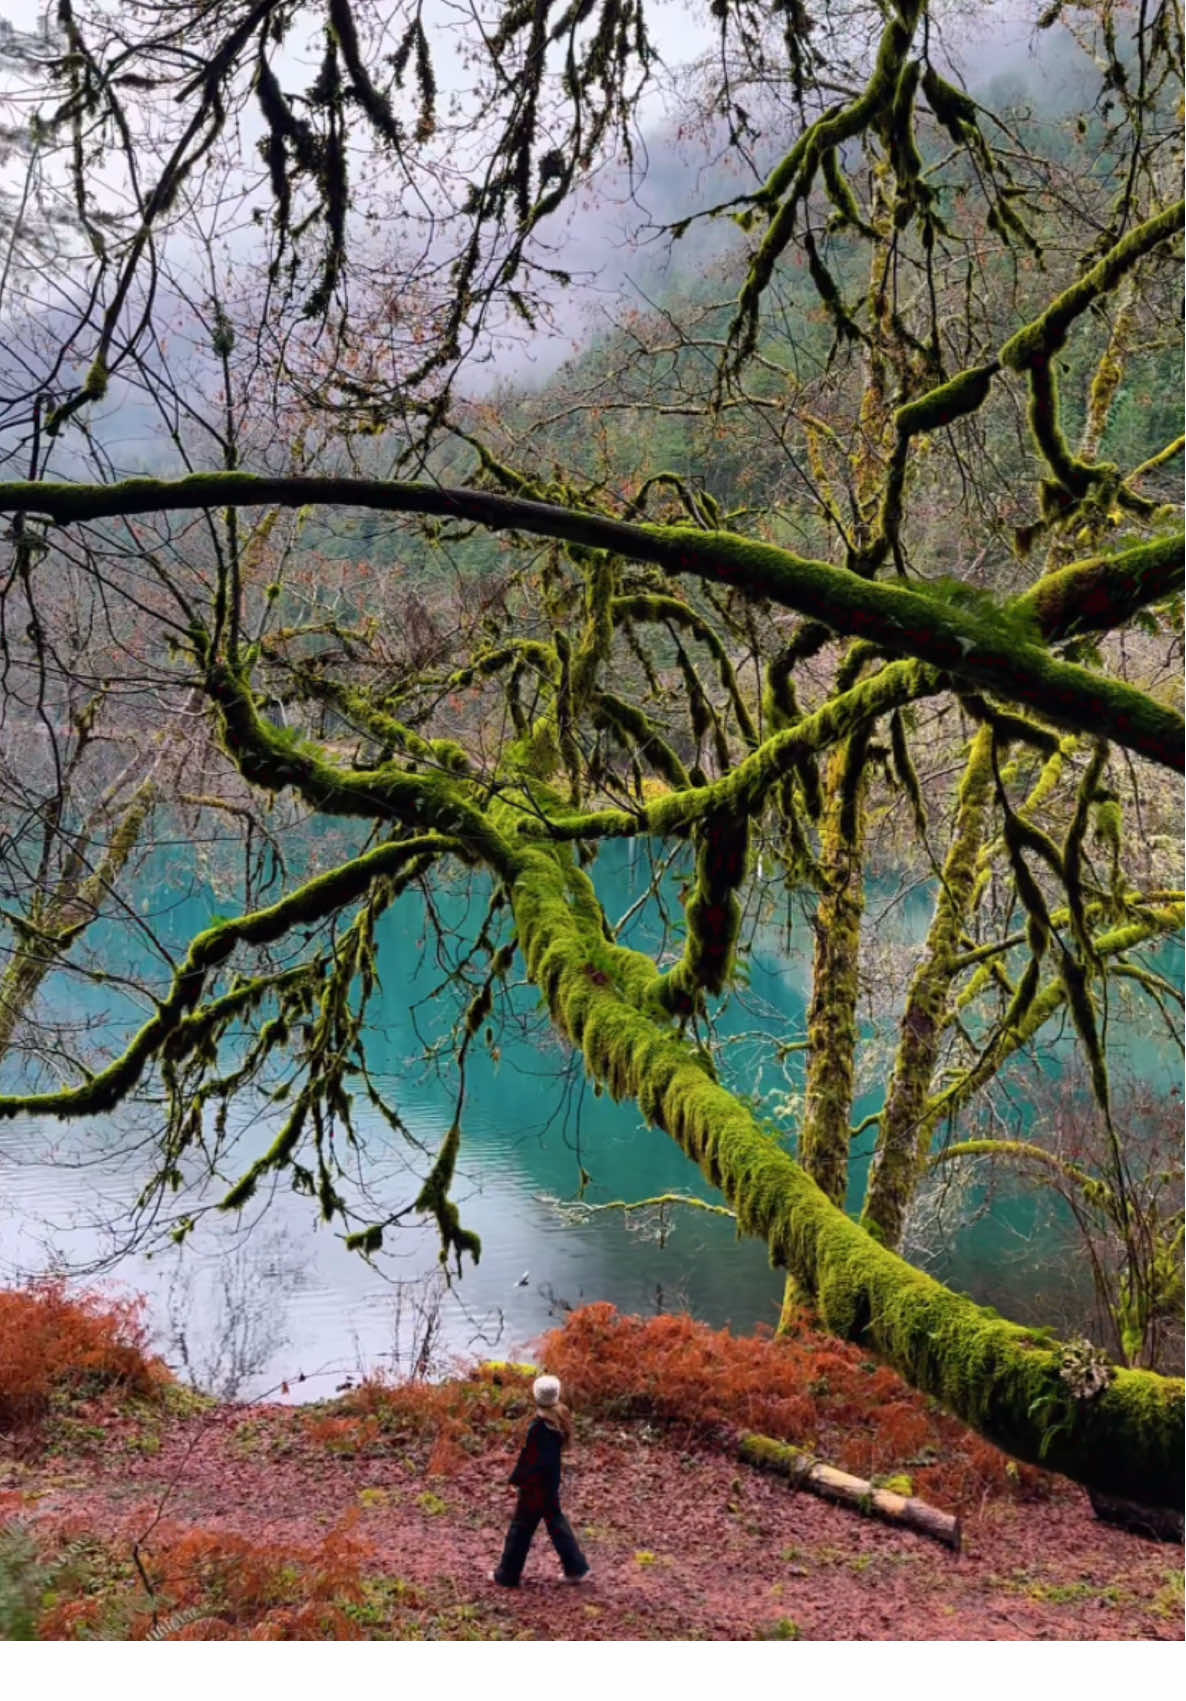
{"points": [[537, 1477]]}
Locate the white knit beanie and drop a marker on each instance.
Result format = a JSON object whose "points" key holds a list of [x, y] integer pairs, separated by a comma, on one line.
{"points": [[546, 1390]]}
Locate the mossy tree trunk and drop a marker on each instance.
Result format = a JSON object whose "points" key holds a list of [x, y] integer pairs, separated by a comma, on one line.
{"points": [[908, 1120], [1004, 1380], [835, 985], [64, 913], [904, 1129]]}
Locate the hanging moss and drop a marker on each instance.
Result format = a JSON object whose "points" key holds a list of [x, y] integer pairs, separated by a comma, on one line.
{"points": [[839, 192], [653, 607], [313, 901], [1156, 921], [1072, 849], [790, 183], [434, 1198], [601, 576], [640, 734], [712, 914]]}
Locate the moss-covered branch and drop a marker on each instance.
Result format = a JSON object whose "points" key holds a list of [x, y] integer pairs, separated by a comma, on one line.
{"points": [[67, 912], [272, 759], [972, 647], [745, 788], [1009, 1039], [663, 608], [1003, 1379], [792, 179], [1044, 336], [1093, 1191], [164, 1031], [1103, 592]]}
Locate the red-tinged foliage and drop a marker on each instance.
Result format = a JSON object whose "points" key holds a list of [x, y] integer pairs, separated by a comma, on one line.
{"points": [[264, 1591], [53, 1340], [447, 1456], [68, 1620], [455, 1420], [203, 1630], [309, 1623], [345, 1435], [801, 1387]]}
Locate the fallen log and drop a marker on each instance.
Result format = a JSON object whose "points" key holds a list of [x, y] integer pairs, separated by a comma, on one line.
{"points": [[805, 1471], [1158, 1523]]}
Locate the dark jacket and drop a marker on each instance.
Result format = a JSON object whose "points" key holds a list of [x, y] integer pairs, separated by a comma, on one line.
{"points": [[537, 1473]]}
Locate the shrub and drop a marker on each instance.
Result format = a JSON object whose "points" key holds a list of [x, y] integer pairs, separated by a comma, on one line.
{"points": [[264, 1591], [450, 1419], [22, 1581], [802, 1387], [51, 1341]]}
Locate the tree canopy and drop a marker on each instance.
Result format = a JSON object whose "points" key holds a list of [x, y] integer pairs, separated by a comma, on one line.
{"points": [[858, 548]]}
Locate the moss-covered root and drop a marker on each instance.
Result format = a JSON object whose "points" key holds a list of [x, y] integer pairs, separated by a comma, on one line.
{"points": [[904, 1130], [1005, 1381]]}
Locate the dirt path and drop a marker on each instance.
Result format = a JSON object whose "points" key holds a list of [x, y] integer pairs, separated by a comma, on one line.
{"points": [[684, 1543]]}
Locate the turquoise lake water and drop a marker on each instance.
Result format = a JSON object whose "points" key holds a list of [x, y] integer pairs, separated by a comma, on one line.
{"points": [[278, 1296]]}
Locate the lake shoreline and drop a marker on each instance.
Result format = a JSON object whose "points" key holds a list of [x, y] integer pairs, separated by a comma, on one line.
{"points": [[132, 1508]]}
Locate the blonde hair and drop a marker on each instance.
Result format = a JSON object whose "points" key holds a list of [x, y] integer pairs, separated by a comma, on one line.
{"points": [[557, 1417]]}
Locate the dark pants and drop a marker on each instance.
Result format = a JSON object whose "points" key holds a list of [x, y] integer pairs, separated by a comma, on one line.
{"points": [[529, 1509]]}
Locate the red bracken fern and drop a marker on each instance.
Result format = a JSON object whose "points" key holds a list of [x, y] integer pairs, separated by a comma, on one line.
{"points": [[802, 1387], [52, 1339]]}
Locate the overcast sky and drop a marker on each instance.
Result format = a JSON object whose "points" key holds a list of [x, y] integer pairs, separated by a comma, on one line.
{"points": [[600, 235]]}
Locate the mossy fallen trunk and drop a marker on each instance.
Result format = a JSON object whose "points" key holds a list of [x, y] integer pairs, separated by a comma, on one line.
{"points": [[1156, 1523], [804, 1471], [1007, 1382]]}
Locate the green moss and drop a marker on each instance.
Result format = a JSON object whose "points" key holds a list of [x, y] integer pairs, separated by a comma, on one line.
{"points": [[1104, 591], [948, 402], [994, 1374], [712, 913], [167, 1029], [903, 1485], [768, 1454], [670, 609], [638, 733], [1045, 335], [831, 1018], [434, 1198], [789, 184], [902, 1130], [891, 616]]}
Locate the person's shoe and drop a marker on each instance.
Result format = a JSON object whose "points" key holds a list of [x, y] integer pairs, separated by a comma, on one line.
{"points": [[581, 1577], [493, 1577]]}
